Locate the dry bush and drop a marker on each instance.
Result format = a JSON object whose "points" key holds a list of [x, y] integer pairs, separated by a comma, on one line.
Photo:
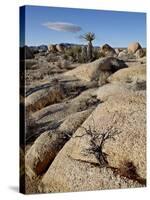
{"points": [[97, 141]]}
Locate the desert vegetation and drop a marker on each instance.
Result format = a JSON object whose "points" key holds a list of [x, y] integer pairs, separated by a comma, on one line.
{"points": [[85, 112], [89, 37]]}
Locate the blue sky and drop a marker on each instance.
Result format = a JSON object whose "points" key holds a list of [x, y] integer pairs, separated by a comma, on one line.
{"points": [[50, 25]]}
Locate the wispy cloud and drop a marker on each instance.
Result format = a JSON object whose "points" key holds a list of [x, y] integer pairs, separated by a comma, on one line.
{"points": [[63, 26]]}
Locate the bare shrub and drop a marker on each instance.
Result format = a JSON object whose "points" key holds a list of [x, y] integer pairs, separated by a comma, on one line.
{"points": [[97, 140]]}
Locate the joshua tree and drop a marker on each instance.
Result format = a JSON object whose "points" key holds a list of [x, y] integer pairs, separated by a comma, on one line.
{"points": [[89, 37]]}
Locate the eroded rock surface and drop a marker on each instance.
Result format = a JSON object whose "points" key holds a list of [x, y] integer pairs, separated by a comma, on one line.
{"points": [[98, 70], [85, 123], [77, 162]]}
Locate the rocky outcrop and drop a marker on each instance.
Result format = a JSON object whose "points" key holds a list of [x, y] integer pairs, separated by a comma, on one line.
{"points": [[109, 90], [98, 70], [123, 55], [85, 124], [49, 143], [133, 47], [54, 91], [117, 51], [77, 176], [140, 53], [107, 50], [129, 145], [43, 97], [60, 48], [129, 75], [59, 111], [52, 48], [52, 116], [78, 165]]}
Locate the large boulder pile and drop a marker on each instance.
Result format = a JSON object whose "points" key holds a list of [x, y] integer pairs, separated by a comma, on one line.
{"points": [[52, 48], [60, 47], [135, 48], [134, 51]]}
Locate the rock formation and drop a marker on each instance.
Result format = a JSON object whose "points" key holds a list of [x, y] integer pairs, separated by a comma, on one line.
{"points": [[133, 47], [85, 123], [107, 50]]}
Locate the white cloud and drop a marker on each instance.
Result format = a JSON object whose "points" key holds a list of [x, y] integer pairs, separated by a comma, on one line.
{"points": [[63, 26]]}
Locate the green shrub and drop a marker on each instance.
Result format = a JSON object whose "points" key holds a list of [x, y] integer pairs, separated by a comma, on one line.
{"points": [[65, 57], [96, 54], [73, 52]]}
